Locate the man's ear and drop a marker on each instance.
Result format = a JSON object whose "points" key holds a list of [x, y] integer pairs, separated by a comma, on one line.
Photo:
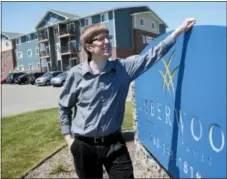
{"points": [[88, 47]]}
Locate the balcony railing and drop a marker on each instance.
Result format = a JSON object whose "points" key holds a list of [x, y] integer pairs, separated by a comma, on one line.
{"points": [[44, 53], [42, 37], [70, 31], [68, 48]]}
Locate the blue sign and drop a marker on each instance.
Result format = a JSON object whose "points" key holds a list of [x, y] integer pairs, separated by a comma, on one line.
{"points": [[181, 105]]}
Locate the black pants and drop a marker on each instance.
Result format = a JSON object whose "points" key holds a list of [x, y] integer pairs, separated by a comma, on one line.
{"points": [[89, 158]]}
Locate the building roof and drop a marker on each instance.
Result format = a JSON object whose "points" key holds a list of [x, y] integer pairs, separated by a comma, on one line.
{"points": [[60, 13], [126, 7], [11, 35], [65, 14]]}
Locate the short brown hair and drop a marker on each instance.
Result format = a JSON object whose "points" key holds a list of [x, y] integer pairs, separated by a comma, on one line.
{"points": [[89, 33]]}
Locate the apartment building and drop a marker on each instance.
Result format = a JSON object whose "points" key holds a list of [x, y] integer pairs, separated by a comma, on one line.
{"points": [[27, 53], [55, 42], [8, 58]]}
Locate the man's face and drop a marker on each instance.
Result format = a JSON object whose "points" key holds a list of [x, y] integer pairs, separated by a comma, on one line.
{"points": [[101, 46]]}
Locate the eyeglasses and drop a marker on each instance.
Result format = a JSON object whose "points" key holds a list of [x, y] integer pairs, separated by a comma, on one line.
{"points": [[102, 38]]}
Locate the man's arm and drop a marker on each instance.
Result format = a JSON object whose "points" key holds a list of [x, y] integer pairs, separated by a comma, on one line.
{"points": [[66, 103], [140, 64]]}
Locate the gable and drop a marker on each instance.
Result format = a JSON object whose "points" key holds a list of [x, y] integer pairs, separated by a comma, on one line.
{"points": [[49, 19]]}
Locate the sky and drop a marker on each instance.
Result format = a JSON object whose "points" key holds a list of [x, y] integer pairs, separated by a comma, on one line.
{"points": [[22, 17]]}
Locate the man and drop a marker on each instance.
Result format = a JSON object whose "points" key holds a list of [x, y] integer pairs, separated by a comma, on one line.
{"points": [[97, 89]]}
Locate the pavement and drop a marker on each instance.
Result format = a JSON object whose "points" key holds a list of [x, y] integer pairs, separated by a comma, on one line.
{"points": [[18, 99]]}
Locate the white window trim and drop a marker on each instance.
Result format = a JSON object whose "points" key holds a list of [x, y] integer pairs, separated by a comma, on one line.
{"points": [[107, 17], [89, 20], [30, 65], [152, 23], [38, 65], [19, 52], [28, 38], [20, 67], [57, 47], [148, 39], [31, 52], [143, 21], [37, 50], [143, 39]]}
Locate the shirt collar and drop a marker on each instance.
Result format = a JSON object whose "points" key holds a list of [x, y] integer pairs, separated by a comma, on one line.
{"points": [[86, 68], [109, 65]]}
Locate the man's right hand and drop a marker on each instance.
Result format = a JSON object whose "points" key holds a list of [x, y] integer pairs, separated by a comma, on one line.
{"points": [[69, 139]]}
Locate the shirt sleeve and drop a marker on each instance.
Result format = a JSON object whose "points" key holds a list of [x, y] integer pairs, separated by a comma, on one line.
{"points": [[66, 102], [138, 65]]}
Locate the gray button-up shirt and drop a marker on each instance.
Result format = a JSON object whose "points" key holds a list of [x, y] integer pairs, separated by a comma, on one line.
{"points": [[99, 100]]}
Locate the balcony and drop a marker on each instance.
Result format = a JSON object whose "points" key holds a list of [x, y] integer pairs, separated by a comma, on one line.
{"points": [[43, 37], [65, 32], [44, 54], [68, 50]]}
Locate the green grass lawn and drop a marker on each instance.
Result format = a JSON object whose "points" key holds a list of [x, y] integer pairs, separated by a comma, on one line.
{"points": [[30, 137]]}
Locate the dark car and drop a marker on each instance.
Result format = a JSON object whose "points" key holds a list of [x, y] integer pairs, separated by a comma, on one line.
{"points": [[34, 76], [22, 79], [12, 76]]}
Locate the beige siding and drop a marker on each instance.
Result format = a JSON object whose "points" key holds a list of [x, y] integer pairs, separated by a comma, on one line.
{"points": [[148, 20]]}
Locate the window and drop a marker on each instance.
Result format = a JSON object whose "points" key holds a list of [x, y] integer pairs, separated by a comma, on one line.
{"points": [[104, 17], [17, 41], [88, 21], [20, 67], [57, 47], [8, 57], [37, 50], [30, 66], [27, 38], [7, 44], [35, 36], [56, 31], [148, 39], [29, 52], [19, 55], [143, 39], [141, 22], [72, 28], [153, 25], [38, 64]]}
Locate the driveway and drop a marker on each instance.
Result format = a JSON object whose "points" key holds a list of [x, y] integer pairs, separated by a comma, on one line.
{"points": [[22, 98]]}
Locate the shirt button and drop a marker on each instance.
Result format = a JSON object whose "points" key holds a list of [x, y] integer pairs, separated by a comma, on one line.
{"points": [[102, 86], [103, 113]]}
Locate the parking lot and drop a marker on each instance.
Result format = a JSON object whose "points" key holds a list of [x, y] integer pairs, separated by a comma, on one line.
{"points": [[22, 98]]}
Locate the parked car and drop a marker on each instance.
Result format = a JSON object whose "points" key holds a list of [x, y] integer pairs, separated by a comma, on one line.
{"points": [[46, 77], [22, 79], [3, 80], [34, 76], [59, 79], [12, 76]]}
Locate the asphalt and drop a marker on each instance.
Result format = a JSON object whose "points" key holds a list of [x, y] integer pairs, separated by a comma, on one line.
{"points": [[18, 99]]}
